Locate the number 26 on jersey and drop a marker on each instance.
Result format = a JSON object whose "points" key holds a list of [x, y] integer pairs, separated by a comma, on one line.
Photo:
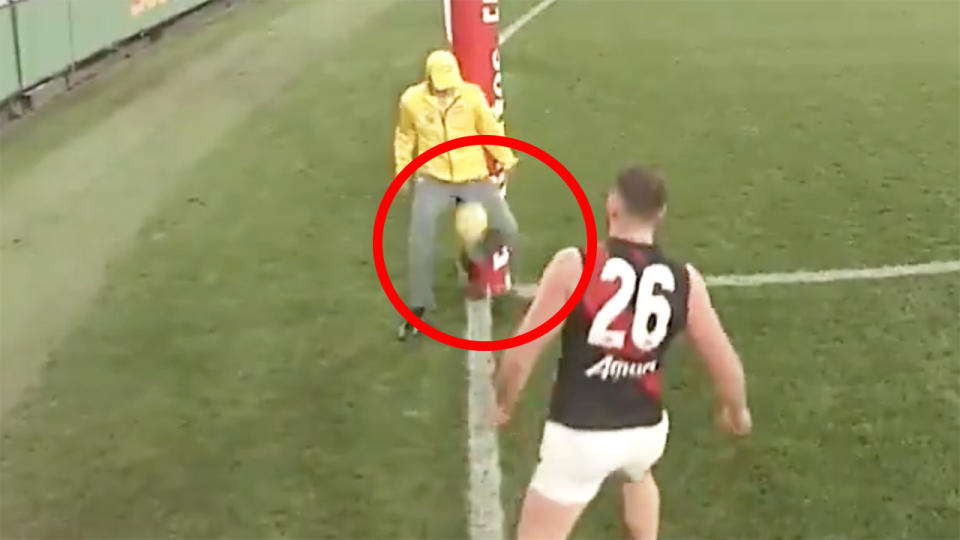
{"points": [[651, 312]]}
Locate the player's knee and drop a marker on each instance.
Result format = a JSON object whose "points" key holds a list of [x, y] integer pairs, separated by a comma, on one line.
{"points": [[512, 229], [502, 220], [509, 229]]}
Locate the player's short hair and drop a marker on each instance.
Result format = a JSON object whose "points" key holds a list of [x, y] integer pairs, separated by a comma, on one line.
{"points": [[643, 192]]}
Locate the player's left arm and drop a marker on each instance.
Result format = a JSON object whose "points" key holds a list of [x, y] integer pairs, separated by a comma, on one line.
{"points": [[487, 124], [557, 284]]}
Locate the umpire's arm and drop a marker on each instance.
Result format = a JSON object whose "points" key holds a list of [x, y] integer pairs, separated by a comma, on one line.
{"points": [[487, 124]]}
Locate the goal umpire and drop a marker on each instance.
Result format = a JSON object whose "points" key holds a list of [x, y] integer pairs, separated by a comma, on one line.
{"points": [[441, 108]]}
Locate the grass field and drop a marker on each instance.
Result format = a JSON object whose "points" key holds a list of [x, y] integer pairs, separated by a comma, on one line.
{"points": [[194, 343]]}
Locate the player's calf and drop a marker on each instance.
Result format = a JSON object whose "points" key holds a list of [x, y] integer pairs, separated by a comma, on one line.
{"points": [[641, 508]]}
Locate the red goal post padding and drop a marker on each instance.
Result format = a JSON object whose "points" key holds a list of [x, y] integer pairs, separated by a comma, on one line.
{"points": [[473, 31]]}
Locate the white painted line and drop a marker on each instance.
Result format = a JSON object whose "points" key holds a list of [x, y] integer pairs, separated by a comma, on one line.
{"points": [[527, 290], [840, 274], [447, 23], [486, 512], [516, 25]]}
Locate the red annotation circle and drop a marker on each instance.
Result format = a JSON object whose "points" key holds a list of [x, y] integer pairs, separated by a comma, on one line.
{"points": [[496, 344]]}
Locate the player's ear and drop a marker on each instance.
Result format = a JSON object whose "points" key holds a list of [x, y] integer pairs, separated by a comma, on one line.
{"points": [[661, 214], [613, 204]]}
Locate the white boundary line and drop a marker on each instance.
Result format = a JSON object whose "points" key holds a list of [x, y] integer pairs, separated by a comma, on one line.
{"points": [[486, 511], [840, 274], [527, 290], [447, 24], [516, 25]]}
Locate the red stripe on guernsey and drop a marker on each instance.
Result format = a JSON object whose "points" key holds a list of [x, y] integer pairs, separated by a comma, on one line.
{"points": [[639, 259], [598, 292], [630, 352], [625, 320], [650, 383]]}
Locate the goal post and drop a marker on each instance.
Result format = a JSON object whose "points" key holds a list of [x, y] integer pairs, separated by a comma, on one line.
{"points": [[473, 32]]}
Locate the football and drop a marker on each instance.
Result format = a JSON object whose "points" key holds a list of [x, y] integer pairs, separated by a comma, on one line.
{"points": [[471, 222]]}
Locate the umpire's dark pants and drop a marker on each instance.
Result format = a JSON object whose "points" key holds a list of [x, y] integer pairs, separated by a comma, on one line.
{"points": [[431, 198]]}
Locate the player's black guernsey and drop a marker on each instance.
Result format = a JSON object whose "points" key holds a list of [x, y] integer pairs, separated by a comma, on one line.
{"points": [[608, 376]]}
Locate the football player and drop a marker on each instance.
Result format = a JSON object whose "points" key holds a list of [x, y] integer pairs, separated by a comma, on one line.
{"points": [[606, 411]]}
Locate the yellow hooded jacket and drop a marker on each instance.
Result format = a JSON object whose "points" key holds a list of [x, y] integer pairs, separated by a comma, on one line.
{"points": [[424, 123]]}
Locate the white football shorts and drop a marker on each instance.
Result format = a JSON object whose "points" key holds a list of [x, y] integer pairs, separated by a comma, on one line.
{"points": [[574, 463]]}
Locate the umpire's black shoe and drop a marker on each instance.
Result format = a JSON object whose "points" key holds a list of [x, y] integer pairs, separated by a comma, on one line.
{"points": [[408, 330]]}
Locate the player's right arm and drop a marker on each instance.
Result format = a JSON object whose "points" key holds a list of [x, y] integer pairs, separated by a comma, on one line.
{"points": [[708, 337], [404, 137], [556, 285]]}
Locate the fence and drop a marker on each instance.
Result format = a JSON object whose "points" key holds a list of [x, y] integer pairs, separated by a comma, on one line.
{"points": [[42, 38]]}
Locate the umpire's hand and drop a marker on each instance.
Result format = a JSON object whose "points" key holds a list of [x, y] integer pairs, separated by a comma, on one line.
{"points": [[505, 175], [405, 188]]}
